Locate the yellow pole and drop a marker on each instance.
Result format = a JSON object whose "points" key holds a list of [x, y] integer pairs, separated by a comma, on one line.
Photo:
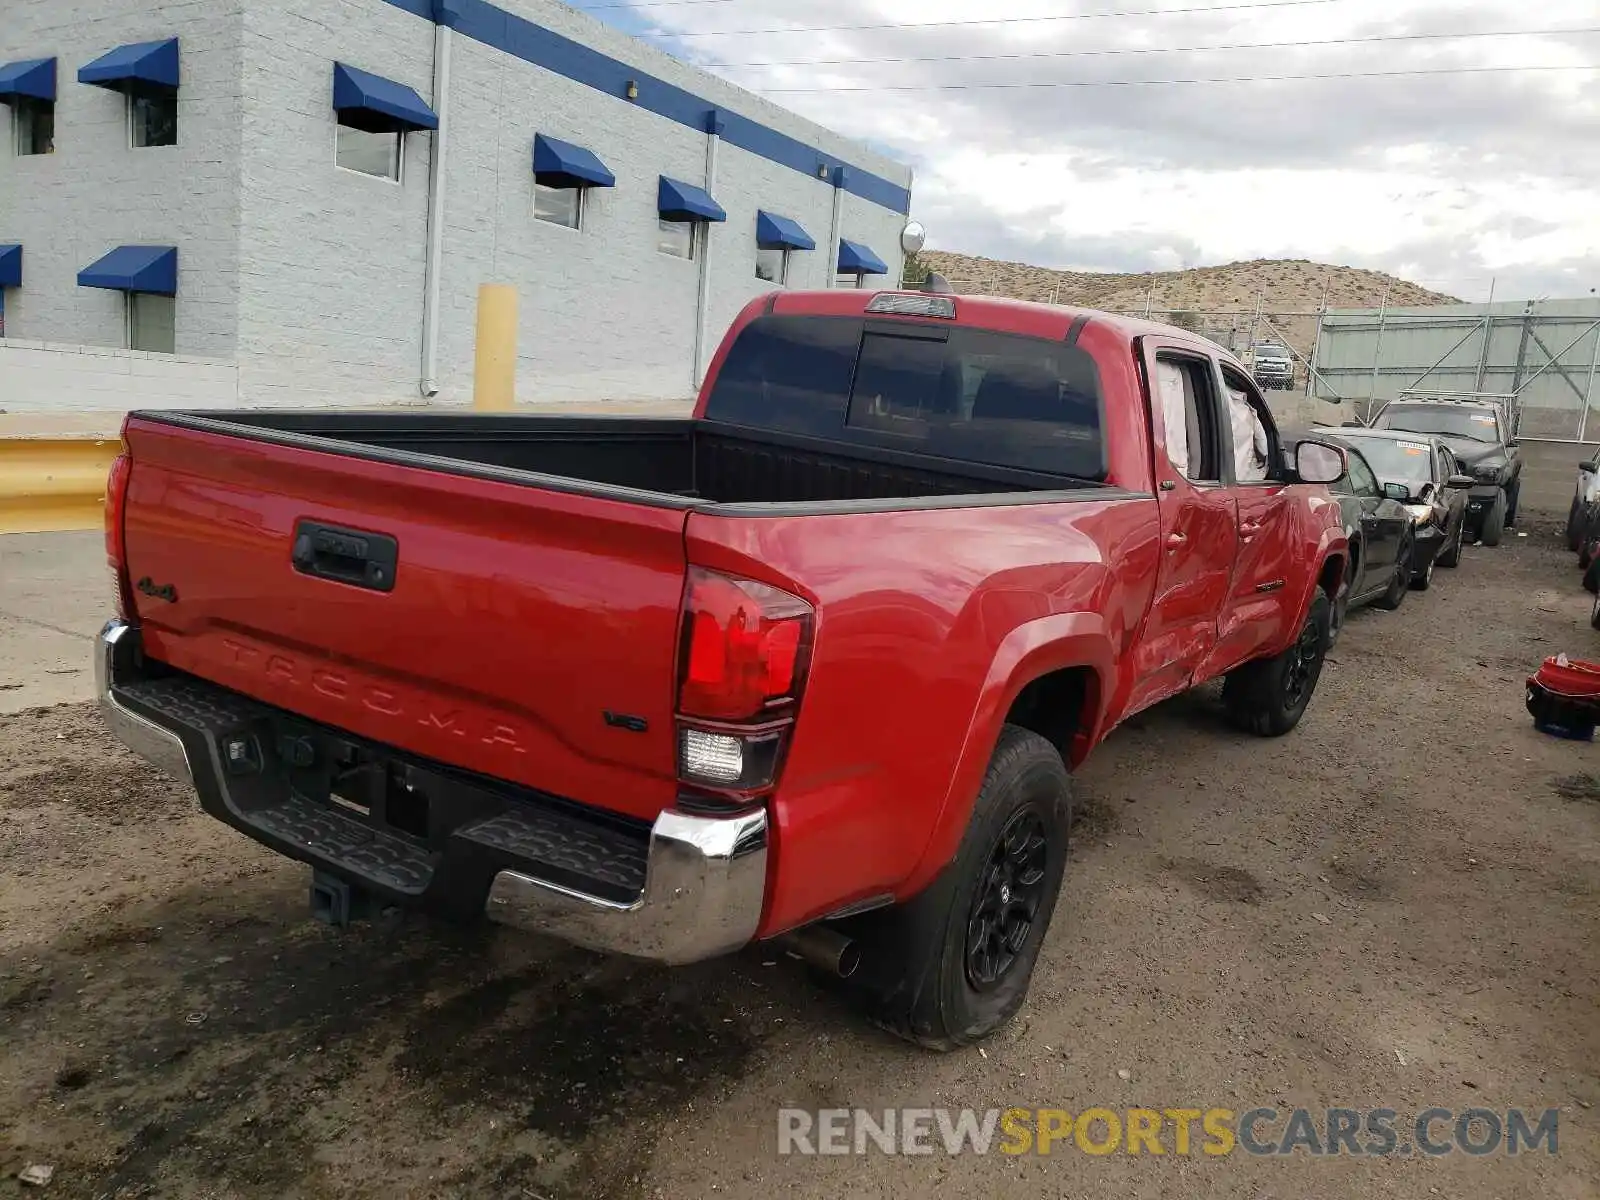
{"points": [[494, 378]]}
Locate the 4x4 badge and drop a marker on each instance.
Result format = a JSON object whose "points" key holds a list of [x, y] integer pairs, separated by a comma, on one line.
{"points": [[164, 591]]}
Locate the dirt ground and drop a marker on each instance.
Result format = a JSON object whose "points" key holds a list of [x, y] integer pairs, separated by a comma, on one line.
{"points": [[1395, 906]]}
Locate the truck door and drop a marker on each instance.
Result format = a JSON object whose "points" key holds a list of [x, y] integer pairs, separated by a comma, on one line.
{"points": [[1255, 618], [1199, 523]]}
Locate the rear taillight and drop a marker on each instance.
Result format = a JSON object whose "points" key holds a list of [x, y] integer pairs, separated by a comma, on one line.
{"points": [[746, 650], [116, 541]]}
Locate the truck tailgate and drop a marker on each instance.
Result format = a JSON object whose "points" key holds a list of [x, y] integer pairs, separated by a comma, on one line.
{"points": [[529, 634]]}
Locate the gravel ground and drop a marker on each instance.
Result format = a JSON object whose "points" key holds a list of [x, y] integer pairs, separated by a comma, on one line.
{"points": [[1395, 906]]}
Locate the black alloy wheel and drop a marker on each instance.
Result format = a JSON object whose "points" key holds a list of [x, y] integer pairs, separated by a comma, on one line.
{"points": [[1300, 671], [1007, 900]]}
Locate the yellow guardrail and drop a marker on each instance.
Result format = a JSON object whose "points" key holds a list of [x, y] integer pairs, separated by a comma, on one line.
{"points": [[49, 484]]}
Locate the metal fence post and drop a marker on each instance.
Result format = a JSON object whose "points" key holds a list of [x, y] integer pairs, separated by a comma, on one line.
{"points": [[1588, 387], [1316, 342], [1377, 351]]}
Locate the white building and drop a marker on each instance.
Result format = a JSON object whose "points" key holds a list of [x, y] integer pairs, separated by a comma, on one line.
{"points": [[305, 196]]}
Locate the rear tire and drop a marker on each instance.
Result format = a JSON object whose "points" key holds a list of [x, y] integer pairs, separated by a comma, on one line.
{"points": [[1339, 609], [1575, 524], [1269, 696], [1591, 577], [1594, 615], [952, 965], [1423, 581], [1494, 522], [1513, 494], [1400, 584], [1450, 556]]}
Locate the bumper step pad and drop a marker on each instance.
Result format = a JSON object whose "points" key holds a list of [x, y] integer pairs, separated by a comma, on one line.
{"points": [[587, 851], [547, 839]]}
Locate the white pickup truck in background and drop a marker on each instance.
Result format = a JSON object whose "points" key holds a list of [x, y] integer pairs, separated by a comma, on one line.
{"points": [[1272, 364]]}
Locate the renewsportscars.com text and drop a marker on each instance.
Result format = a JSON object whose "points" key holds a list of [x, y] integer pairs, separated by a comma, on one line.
{"points": [[1211, 1132]]}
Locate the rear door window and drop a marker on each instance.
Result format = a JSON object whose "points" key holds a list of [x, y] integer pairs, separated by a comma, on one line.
{"points": [[967, 394], [790, 374]]}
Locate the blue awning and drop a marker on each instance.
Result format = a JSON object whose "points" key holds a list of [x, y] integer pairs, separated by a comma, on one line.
{"points": [[33, 77], [143, 65], [679, 201], [857, 259], [379, 105], [561, 164], [135, 269], [780, 233], [10, 265]]}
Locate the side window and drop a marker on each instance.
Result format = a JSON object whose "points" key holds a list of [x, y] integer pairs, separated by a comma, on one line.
{"points": [[1185, 389], [1362, 480], [1253, 449], [1447, 464]]}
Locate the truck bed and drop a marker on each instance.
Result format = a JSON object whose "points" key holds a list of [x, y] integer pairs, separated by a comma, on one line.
{"points": [[681, 463]]}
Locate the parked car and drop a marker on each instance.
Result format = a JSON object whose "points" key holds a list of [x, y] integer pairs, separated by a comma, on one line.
{"points": [[1273, 366], [1379, 530], [1421, 473], [812, 663], [1583, 514], [1479, 435]]}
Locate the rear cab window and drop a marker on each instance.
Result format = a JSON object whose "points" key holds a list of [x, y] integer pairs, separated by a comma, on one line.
{"points": [[949, 391]]}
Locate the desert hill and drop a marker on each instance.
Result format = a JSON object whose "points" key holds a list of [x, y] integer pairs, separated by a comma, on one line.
{"points": [[1222, 300]]}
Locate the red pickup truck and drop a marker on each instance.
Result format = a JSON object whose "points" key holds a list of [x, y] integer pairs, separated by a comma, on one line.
{"points": [[813, 663]]}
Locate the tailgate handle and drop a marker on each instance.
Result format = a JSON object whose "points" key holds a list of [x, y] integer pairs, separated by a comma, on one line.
{"points": [[352, 556]]}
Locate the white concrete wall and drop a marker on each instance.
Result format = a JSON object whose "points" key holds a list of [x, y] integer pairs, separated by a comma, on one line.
{"points": [[312, 278], [330, 261], [333, 263], [96, 193], [51, 377]]}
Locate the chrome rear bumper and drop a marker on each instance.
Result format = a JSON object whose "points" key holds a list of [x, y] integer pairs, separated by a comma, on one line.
{"points": [[116, 656], [704, 887], [705, 877]]}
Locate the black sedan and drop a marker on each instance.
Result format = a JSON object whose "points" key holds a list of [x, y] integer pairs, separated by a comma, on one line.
{"points": [[1380, 530], [1421, 472]]}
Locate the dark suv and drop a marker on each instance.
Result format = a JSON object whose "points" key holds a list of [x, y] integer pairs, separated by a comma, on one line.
{"points": [[1484, 447]]}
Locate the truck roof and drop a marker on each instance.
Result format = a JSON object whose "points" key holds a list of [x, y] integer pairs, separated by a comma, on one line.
{"points": [[1000, 313]]}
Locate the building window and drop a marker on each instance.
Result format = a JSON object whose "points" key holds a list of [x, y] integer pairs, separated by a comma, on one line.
{"points": [[35, 122], [772, 265], [558, 205], [851, 281], [150, 322], [153, 119], [677, 238], [377, 154]]}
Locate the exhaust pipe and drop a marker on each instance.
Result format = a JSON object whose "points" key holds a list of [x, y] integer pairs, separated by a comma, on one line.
{"points": [[824, 948]]}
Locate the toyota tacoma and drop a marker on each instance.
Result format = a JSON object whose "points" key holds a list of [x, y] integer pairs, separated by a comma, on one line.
{"points": [[814, 663]]}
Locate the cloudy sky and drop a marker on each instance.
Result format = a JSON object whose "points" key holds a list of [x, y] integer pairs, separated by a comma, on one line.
{"points": [[1449, 179]]}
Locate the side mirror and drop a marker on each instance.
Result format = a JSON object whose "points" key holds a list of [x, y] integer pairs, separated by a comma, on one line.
{"points": [[1397, 491], [1318, 462], [1460, 481]]}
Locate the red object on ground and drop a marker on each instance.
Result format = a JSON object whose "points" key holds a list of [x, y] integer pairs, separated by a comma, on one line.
{"points": [[1564, 699], [1574, 681]]}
